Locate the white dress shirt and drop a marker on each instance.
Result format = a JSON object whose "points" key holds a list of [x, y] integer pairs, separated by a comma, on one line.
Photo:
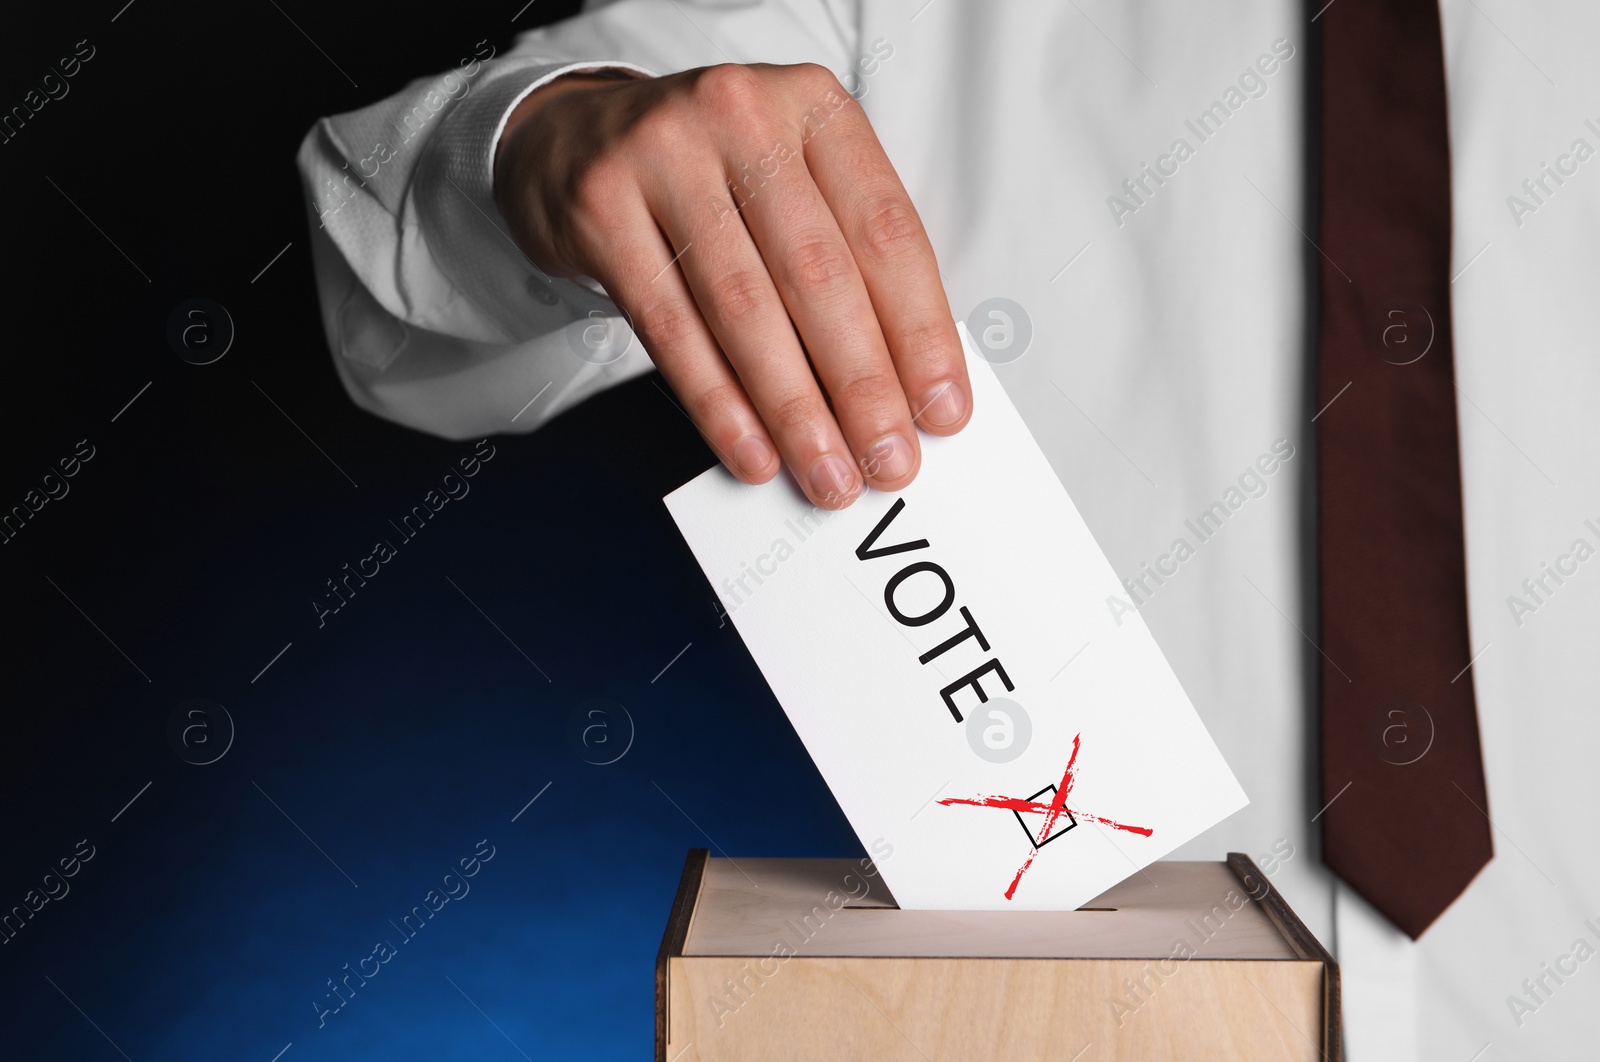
{"points": [[1170, 348]]}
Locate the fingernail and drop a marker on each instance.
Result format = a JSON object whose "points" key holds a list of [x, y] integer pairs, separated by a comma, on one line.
{"points": [[889, 458], [832, 480], [943, 404], [752, 455]]}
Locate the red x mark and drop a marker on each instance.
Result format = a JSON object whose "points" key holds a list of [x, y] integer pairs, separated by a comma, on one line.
{"points": [[1051, 812]]}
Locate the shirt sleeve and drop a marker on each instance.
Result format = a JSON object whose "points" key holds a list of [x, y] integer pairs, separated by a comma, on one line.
{"points": [[435, 317]]}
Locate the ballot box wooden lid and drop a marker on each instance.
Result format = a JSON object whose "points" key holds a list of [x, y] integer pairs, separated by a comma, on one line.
{"points": [[830, 909], [745, 906]]}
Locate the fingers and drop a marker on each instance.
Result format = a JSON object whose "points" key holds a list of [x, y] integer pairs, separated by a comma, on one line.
{"points": [[823, 294], [891, 250], [737, 299], [642, 277], [748, 220]]}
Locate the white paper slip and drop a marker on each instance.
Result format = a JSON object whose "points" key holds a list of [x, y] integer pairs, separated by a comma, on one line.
{"points": [[996, 739]]}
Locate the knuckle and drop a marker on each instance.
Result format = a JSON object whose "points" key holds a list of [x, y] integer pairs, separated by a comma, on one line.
{"points": [[794, 414], [738, 295], [719, 404], [601, 185], [818, 264], [663, 131], [929, 345], [730, 91], [597, 186], [891, 230], [816, 78], [668, 322], [867, 391]]}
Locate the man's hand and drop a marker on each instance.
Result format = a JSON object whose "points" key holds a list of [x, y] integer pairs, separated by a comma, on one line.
{"points": [[745, 218]]}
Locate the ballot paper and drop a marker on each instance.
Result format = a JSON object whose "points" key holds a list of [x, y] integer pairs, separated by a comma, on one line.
{"points": [[996, 737]]}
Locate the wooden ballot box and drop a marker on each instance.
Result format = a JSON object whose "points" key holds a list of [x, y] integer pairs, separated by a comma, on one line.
{"points": [[811, 959]]}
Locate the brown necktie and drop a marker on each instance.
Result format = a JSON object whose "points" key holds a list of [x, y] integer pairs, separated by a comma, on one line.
{"points": [[1405, 818]]}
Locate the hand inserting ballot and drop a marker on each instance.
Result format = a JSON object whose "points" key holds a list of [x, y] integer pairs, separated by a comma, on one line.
{"points": [[748, 222]]}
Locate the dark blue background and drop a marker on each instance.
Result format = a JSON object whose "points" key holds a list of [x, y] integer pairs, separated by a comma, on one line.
{"points": [[406, 730]]}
